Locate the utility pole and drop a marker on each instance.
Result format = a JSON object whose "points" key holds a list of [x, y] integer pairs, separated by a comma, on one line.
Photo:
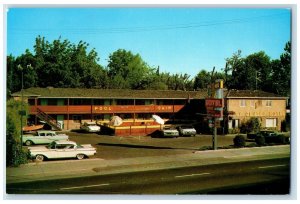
{"points": [[256, 79], [22, 112]]}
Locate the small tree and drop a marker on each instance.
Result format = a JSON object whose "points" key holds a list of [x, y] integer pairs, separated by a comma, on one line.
{"points": [[252, 125]]}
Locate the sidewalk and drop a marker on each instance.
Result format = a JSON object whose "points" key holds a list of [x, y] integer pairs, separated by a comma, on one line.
{"points": [[91, 167]]}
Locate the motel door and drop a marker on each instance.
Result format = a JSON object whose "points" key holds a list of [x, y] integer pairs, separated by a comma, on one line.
{"points": [[60, 120]]}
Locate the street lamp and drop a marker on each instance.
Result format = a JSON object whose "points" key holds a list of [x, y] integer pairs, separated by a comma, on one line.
{"points": [[22, 112]]}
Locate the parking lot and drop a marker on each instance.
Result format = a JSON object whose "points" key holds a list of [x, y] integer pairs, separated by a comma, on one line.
{"points": [[116, 147]]}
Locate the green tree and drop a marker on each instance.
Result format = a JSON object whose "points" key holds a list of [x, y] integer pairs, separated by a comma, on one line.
{"points": [[281, 72], [127, 70], [253, 71], [234, 71], [14, 74], [63, 64], [202, 79], [15, 155], [258, 68]]}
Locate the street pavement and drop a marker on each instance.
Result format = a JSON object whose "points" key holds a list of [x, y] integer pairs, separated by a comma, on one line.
{"points": [[48, 170]]}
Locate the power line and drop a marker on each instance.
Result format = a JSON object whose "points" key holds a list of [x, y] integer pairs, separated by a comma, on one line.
{"points": [[146, 28]]}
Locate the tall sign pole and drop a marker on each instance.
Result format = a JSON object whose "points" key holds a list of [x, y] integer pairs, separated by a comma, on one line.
{"points": [[214, 108]]}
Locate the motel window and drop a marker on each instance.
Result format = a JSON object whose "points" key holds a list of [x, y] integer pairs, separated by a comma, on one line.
{"points": [[252, 103], [103, 117], [271, 122], [77, 118], [144, 102], [98, 102], [144, 116], [125, 102], [268, 103], [165, 102], [234, 123], [179, 102], [243, 103], [80, 101], [126, 116]]}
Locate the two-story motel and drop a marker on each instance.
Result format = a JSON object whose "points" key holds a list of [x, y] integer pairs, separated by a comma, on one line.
{"points": [[67, 108]]}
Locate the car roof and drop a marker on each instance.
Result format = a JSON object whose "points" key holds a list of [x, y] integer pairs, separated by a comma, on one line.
{"points": [[90, 123], [65, 142], [46, 131]]}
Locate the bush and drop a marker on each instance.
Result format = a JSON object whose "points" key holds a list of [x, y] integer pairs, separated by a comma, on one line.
{"points": [[15, 155], [260, 140], [252, 125], [239, 141], [233, 131]]}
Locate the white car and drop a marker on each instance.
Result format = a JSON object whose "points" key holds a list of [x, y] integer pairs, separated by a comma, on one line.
{"points": [[169, 132], [90, 127], [62, 149], [43, 137], [187, 130]]}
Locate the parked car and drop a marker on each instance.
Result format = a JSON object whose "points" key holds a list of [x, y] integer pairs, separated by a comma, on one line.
{"points": [[62, 149], [43, 137], [169, 132], [186, 130], [90, 127]]}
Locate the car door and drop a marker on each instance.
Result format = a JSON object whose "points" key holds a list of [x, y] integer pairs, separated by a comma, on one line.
{"points": [[65, 151], [41, 139], [51, 136]]}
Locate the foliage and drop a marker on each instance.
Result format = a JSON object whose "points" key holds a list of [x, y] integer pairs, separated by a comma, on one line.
{"points": [[260, 140], [61, 63], [258, 72], [281, 73], [15, 155], [239, 141], [251, 125], [234, 131]]}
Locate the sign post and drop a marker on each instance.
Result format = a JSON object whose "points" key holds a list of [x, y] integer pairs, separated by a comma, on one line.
{"points": [[214, 108]]}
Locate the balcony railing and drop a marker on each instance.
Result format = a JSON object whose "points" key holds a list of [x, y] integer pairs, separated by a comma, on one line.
{"points": [[94, 109]]}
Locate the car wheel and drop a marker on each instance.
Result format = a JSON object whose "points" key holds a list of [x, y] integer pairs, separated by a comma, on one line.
{"points": [[28, 143], [80, 156], [39, 157]]}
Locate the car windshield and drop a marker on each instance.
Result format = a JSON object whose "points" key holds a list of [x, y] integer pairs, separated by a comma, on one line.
{"points": [[79, 146], [51, 145], [186, 127]]}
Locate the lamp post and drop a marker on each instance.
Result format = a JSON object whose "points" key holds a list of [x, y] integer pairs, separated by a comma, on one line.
{"points": [[22, 112]]}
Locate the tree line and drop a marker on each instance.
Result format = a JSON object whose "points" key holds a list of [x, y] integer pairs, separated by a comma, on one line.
{"points": [[64, 64]]}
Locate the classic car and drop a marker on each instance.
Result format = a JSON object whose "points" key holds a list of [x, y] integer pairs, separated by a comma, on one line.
{"points": [[169, 132], [43, 137], [61, 149], [90, 127], [186, 130]]}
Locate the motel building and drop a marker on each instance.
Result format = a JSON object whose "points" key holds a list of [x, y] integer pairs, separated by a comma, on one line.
{"points": [[68, 108], [242, 105]]}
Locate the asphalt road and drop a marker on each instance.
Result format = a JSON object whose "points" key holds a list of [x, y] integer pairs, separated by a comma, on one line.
{"points": [[252, 177]]}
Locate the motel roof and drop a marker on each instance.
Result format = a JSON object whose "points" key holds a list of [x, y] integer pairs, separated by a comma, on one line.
{"points": [[51, 92], [233, 93]]}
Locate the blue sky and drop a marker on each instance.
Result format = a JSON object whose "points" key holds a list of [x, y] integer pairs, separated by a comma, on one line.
{"points": [[179, 40]]}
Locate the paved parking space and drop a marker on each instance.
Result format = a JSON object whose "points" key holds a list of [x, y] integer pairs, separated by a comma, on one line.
{"points": [[116, 147]]}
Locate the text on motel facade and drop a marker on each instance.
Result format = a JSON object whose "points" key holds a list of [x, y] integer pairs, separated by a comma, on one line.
{"points": [[69, 107]]}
